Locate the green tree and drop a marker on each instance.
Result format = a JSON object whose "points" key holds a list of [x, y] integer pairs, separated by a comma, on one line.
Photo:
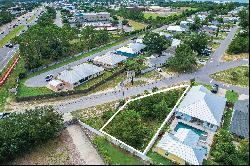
{"points": [[155, 43], [198, 42], [196, 25], [128, 127], [184, 59], [124, 22], [20, 132]]}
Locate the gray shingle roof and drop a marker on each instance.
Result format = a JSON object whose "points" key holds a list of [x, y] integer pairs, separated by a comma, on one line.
{"points": [[240, 119]]}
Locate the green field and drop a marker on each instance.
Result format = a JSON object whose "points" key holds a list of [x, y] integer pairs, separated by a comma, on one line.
{"points": [[136, 25], [11, 35], [153, 15], [5, 95], [31, 19]]}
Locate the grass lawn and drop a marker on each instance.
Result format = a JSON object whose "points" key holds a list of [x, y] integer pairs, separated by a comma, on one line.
{"points": [[228, 57], [136, 25], [148, 14], [25, 91], [158, 159], [31, 19], [209, 87], [136, 83], [96, 116], [147, 104], [113, 155], [221, 36], [236, 76], [215, 45], [232, 96], [154, 75], [11, 35], [5, 95]]}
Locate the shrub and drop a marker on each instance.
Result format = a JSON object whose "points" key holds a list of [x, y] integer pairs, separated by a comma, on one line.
{"points": [[22, 131]]}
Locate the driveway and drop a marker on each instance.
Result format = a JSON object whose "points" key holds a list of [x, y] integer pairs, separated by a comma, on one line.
{"points": [[83, 145]]}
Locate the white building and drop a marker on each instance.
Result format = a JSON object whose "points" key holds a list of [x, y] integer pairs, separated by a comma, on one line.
{"points": [[55, 85], [182, 147], [88, 17], [79, 74], [175, 28], [109, 60], [131, 50]]}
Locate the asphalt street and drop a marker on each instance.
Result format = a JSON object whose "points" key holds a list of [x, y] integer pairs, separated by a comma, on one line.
{"points": [[7, 53]]}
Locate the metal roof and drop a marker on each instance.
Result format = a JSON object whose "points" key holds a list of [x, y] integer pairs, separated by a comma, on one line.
{"points": [[110, 58], [240, 119], [202, 104], [184, 145], [76, 73]]}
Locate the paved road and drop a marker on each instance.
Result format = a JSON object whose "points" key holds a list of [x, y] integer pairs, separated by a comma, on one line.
{"points": [[7, 53], [58, 20]]}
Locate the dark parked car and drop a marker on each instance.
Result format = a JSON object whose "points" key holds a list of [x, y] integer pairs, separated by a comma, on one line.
{"points": [[215, 88], [48, 77]]}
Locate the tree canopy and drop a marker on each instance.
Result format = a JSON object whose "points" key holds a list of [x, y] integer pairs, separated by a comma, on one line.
{"points": [[184, 59], [22, 131], [155, 42]]}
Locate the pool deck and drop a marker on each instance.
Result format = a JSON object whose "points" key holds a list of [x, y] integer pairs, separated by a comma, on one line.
{"points": [[210, 134]]}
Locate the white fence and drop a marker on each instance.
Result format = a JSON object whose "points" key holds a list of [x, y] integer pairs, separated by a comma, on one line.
{"points": [[90, 128], [132, 150], [151, 143]]}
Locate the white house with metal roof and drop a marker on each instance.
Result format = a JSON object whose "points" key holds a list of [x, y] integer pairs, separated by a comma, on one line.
{"points": [[182, 147], [175, 28], [131, 50], [202, 107], [109, 60], [79, 74]]}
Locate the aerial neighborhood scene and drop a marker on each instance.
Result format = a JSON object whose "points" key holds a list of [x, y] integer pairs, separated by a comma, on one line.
{"points": [[124, 82]]}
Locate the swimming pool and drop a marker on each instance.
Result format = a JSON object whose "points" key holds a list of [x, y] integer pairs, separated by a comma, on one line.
{"points": [[182, 125]]}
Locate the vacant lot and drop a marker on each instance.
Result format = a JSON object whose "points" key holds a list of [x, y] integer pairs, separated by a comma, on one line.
{"points": [[138, 122], [228, 57], [236, 76]]}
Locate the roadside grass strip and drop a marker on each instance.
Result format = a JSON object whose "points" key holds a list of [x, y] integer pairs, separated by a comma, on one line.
{"points": [[11, 35], [155, 126]]}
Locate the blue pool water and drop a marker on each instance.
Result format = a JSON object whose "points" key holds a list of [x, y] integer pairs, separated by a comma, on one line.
{"points": [[182, 125]]}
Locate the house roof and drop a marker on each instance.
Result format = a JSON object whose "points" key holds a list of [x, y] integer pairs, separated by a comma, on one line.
{"points": [[152, 61], [175, 42], [55, 82], [76, 73], [184, 145], [202, 104], [132, 48], [175, 28], [240, 119], [110, 58]]}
